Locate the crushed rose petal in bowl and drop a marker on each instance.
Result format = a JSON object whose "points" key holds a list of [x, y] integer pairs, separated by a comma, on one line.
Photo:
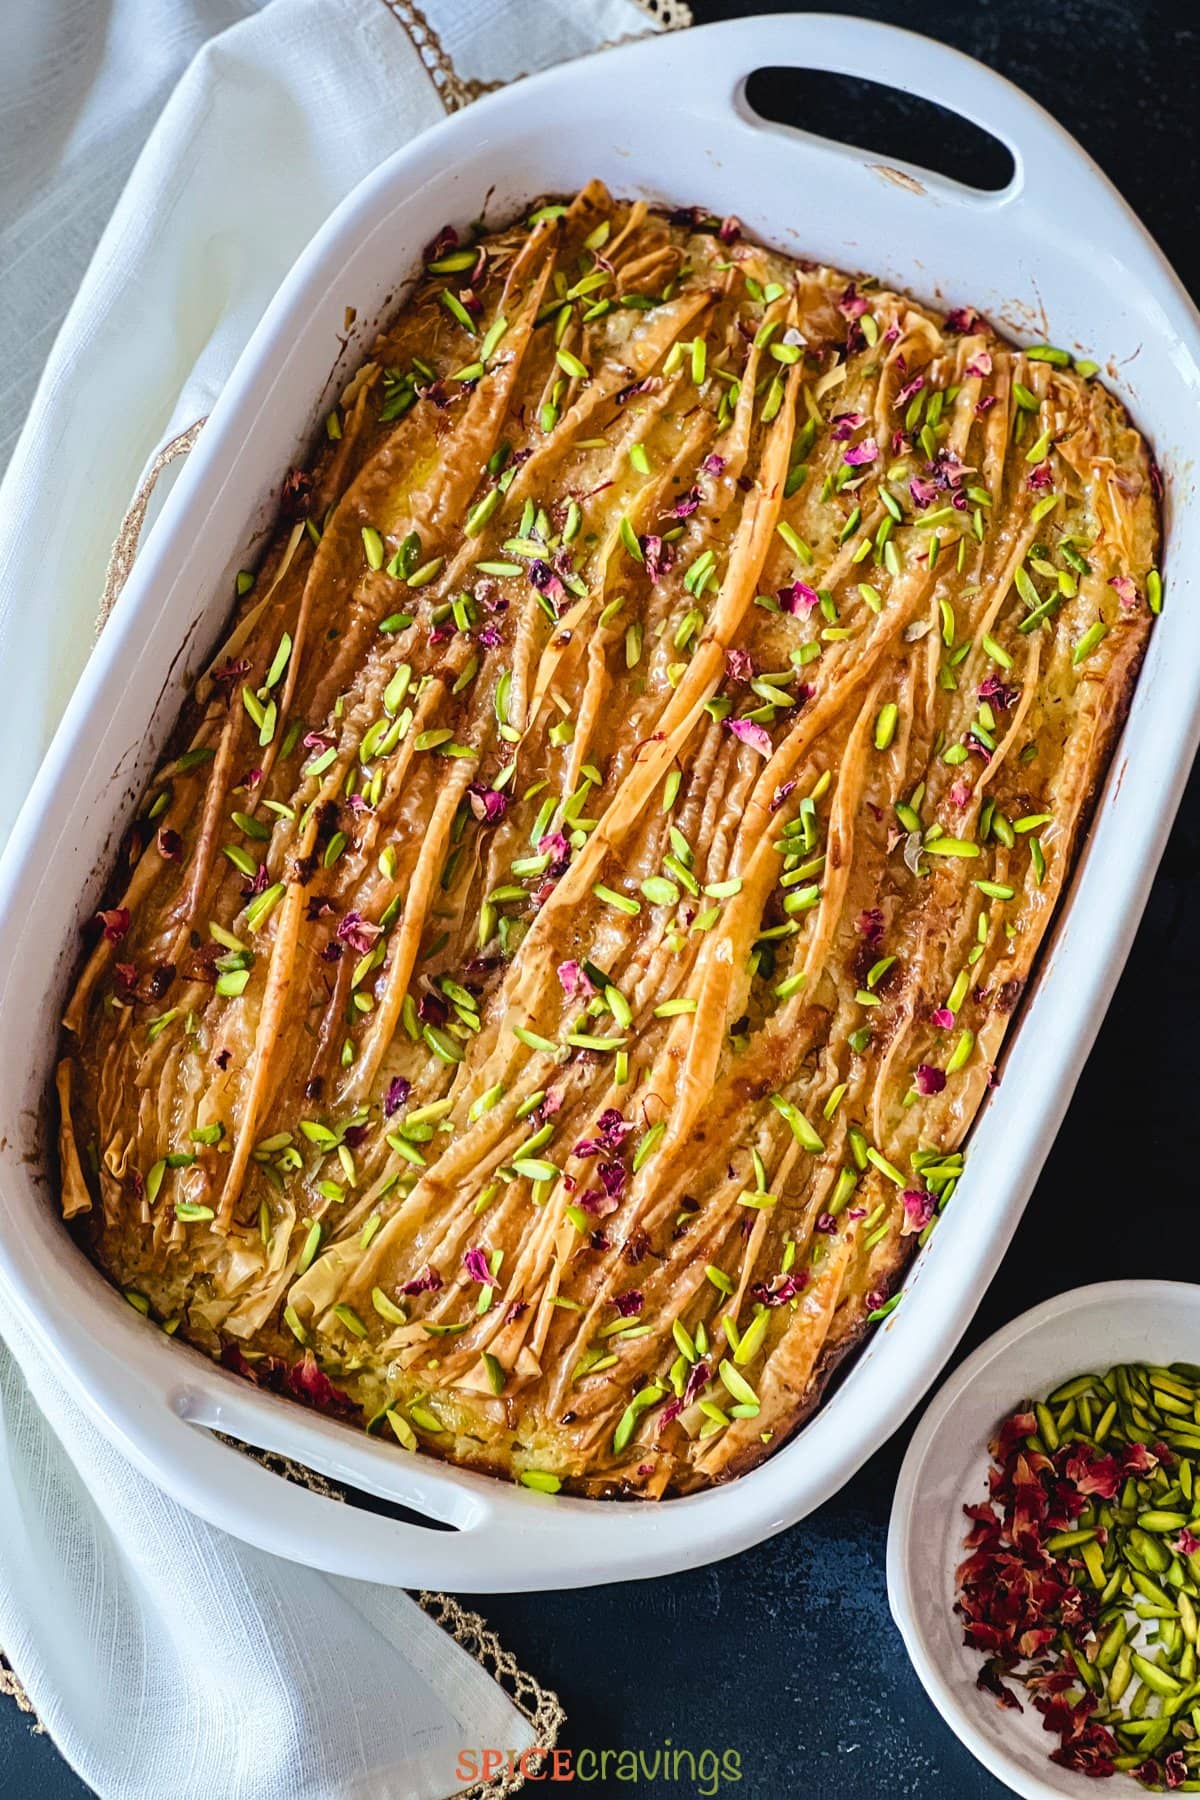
{"points": [[1082, 1576], [1044, 1551]]}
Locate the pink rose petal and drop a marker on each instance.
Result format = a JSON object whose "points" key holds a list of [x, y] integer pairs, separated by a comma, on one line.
{"points": [[748, 732]]}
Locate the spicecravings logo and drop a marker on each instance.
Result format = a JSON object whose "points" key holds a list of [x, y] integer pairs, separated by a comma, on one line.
{"points": [[705, 1769]]}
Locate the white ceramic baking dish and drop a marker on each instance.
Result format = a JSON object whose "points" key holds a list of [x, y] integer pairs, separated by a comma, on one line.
{"points": [[1055, 255]]}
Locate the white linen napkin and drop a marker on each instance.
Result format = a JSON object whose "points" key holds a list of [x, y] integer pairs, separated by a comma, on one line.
{"points": [[166, 1658], [163, 1656]]}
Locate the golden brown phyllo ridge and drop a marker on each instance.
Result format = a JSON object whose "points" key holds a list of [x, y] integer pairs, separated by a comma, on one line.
{"points": [[544, 1000]]}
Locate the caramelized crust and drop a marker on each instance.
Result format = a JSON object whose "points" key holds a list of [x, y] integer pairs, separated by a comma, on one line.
{"points": [[542, 1006]]}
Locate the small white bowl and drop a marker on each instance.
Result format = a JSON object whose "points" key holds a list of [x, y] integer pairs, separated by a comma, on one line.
{"points": [[1089, 1329]]}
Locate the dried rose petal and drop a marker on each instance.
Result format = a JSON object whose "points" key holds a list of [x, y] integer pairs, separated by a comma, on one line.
{"points": [[1093, 1756], [308, 1382], [659, 556], [1094, 1474], [798, 599], [546, 582], [1175, 1769], [432, 1008], [358, 932], [428, 1283], [929, 1079], [598, 1203], [870, 924], [844, 425], [988, 1680], [859, 455], [948, 471], [650, 384], [1139, 1459], [399, 1088], [295, 494], [446, 239], [613, 1176], [748, 732], [263, 1371], [613, 1127], [992, 688], [575, 980], [487, 804], [909, 391], [919, 1209], [475, 1263], [115, 921], [555, 845], [781, 1288], [1015, 1429]]}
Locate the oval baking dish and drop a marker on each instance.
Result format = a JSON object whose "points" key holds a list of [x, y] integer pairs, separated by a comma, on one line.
{"points": [[667, 120]]}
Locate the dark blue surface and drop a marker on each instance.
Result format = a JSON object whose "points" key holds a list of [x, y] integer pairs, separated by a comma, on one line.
{"points": [[787, 1654]]}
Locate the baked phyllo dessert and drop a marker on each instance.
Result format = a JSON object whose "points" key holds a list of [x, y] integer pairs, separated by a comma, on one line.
{"points": [[542, 1000]]}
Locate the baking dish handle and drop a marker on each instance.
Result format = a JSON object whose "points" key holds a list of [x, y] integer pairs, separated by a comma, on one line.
{"points": [[440, 1542], [894, 58], [464, 1530]]}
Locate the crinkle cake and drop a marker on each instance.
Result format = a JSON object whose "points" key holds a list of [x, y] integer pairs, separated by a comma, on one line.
{"points": [[542, 1001]]}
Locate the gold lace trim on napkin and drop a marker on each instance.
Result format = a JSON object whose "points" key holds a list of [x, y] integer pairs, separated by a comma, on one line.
{"points": [[456, 91]]}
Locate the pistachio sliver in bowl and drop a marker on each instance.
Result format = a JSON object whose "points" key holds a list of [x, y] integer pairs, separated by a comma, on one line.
{"points": [[1081, 1586], [544, 999]]}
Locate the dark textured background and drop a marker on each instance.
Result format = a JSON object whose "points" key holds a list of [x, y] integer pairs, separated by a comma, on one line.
{"points": [[788, 1653]]}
